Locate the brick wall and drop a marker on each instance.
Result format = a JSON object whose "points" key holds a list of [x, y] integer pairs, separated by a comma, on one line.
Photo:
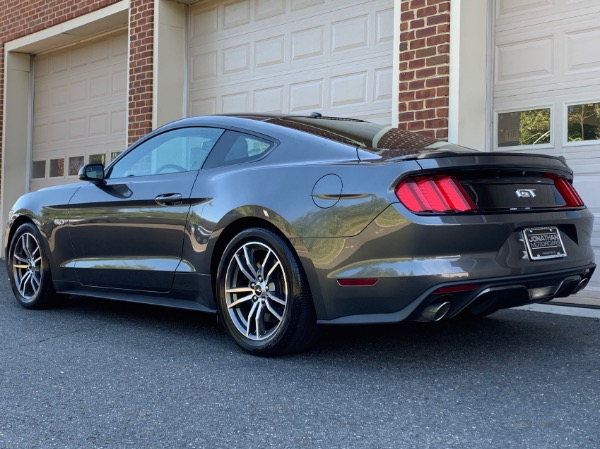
{"points": [[141, 75], [424, 66]]}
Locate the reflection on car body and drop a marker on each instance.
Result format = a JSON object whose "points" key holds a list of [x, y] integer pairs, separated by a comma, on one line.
{"points": [[278, 223]]}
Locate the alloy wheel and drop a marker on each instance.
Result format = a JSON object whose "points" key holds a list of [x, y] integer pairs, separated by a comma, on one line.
{"points": [[27, 266], [256, 291]]}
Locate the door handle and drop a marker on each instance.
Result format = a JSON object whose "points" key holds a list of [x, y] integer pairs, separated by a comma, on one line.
{"points": [[169, 199]]}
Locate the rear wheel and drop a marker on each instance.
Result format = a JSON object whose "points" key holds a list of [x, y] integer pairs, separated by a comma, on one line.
{"points": [[28, 269], [264, 299]]}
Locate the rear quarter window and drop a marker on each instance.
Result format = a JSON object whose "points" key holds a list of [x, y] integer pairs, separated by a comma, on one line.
{"points": [[236, 148]]}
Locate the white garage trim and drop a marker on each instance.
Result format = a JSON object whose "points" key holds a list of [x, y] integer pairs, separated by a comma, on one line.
{"points": [[396, 64], [170, 54], [469, 68]]}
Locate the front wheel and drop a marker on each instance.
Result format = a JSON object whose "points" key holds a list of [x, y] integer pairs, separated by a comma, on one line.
{"points": [[264, 298], [28, 269]]}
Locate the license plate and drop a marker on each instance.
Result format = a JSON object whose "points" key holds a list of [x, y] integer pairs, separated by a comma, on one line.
{"points": [[544, 243]]}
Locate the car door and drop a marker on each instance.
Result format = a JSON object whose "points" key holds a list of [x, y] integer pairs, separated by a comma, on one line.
{"points": [[128, 232]]}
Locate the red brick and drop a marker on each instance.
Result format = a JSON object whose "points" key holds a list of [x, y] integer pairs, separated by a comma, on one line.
{"points": [[426, 32], [442, 112], [438, 19], [436, 123], [436, 103], [441, 133], [416, 126], [444, 7], [419, 23], [438, 39], [407, 75], [424, 66], [438, 60], [416, 85], [428, 133], [416, 64], [425, 93], [428, 11], [417, 43], [415, 105], [425, 114], [416, 4], [437, 82], [444, 28], [425, 52], [406, 116], [426, 73]]}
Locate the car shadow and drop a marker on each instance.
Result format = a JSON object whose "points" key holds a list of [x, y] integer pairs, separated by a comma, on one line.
{"points": [[506, 334]]}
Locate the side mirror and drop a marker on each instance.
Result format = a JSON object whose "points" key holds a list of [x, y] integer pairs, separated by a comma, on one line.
{"points": [[92, 173]]}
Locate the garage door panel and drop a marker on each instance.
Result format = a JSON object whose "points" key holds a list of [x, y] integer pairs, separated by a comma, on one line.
{"points": [[315, 56], [515, 15], [79, 105], [546, 56], [356, 93]]}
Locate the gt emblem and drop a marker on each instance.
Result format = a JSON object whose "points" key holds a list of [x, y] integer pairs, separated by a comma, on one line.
{"points": [[525, 193]]}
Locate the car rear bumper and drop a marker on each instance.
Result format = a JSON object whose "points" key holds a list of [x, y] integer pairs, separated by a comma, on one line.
{"points": [[410, 259], [482, 296]]}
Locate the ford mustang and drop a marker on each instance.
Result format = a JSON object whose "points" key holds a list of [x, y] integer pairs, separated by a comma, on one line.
{"points": [[280, 223]]}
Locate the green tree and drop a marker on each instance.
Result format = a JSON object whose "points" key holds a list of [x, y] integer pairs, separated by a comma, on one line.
{"points": [[584, 122], [534, 127]]}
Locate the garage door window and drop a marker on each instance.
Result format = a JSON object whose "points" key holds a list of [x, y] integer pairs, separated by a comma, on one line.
{"points": [[97, 159], [519, 128], [38, 170], [583, 122], [75, 163], [57, 168]]}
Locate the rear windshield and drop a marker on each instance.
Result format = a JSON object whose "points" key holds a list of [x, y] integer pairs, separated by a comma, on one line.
{"points": [[358, 133]]}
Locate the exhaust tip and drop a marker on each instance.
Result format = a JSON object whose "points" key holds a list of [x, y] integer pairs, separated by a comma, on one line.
{"points": [[435, 311], [584, 282]]}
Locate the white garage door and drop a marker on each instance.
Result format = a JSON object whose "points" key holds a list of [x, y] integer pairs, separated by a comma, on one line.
{"points": [[547, 89], [79, 108], [292, 56]]}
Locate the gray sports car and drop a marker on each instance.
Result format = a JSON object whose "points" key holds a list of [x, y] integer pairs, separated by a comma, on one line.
{"points": [[278, 223]]}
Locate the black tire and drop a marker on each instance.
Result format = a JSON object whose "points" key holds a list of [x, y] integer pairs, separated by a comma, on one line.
{"points": [[29, 269], [264, 298]]}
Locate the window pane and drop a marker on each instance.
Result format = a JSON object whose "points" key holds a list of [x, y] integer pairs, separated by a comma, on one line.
{"points": [[530, 127], [38, 170], [57, 168], [96, 159], [75, 163], [584, 122], [114, 155], [174, 151]]}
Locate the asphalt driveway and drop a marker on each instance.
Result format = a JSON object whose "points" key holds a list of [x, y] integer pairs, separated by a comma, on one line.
{"points": [[100, 374]]}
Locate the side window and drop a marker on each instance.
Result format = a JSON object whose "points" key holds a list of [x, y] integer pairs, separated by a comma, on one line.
{"points": [[236, 147], [174, 151]]}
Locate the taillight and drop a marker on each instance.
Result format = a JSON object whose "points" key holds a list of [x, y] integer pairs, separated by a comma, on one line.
{"points": [[567, 191], [434, 194]]}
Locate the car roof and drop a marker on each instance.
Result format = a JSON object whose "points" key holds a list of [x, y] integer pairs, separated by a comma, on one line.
{"points": [[349, 131]]}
